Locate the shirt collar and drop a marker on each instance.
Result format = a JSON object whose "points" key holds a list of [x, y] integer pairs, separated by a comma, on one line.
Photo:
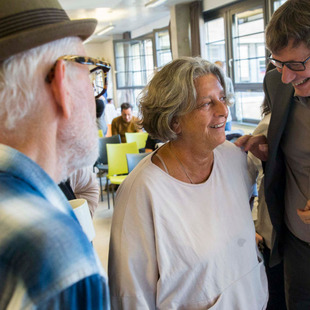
{"points": [[22, 167]]}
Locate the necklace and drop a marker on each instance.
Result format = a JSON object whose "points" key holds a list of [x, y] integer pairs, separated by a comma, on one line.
{"points": [[180, 162]]}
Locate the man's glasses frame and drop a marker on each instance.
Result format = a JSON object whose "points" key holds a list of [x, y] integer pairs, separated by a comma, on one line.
{"points": [[99, 66], [292, 65]]}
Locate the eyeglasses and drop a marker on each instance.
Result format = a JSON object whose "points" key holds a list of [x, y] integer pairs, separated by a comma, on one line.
{"points": [[292, 65], [97, 75]]}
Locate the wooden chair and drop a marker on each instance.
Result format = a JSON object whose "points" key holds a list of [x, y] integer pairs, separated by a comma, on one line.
{"points": [[117, 164]]}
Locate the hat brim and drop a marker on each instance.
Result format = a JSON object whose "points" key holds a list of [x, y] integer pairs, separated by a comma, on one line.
{"points": [[34, 37]]}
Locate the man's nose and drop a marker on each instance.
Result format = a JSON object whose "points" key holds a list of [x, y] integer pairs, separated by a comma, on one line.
{"points": [[287, 75]]}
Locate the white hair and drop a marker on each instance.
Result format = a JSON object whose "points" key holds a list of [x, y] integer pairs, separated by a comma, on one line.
{"points": [[23, 90], [22, 79]]}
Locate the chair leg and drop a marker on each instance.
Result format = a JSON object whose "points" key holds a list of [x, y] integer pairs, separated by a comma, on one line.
{"points": [[113, 194], [108, 191], [100, 181]]}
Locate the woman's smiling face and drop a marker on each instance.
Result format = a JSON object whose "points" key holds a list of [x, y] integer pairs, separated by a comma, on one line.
{"points": [[206, 124]]}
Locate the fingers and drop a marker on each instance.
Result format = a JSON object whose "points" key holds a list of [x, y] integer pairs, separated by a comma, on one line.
{"points": [[263, 148], [307, 207], [258, 238], [242, 141]]}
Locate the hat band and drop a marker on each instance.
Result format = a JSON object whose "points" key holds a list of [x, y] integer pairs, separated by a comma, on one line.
{"points": [[13, 24]]}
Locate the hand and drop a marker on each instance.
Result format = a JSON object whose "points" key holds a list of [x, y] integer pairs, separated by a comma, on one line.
{"points": [[255, 144], [304, 214], [258, 238]]}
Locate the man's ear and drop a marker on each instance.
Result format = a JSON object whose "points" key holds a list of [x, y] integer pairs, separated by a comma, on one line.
{"points": [[60, 89]]}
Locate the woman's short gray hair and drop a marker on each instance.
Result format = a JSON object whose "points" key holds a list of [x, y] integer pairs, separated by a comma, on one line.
{"points": [[22, 79], [172, 93]]}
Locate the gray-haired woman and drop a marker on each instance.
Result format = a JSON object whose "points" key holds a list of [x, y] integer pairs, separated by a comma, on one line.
{"points": [[182, 234]]}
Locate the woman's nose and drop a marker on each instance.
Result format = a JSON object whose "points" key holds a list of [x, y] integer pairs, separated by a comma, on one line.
{"points": [[221, 109]]}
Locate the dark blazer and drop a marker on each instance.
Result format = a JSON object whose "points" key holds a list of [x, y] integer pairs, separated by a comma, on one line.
{"points": [[280, 98]]}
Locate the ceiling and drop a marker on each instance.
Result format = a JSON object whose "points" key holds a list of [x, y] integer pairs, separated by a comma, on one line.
{"points": [[125, 15]]}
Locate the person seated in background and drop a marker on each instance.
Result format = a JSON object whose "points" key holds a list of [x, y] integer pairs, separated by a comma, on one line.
{"points": [[47, 131], [182, 234], [126, 122], [82, 184]]}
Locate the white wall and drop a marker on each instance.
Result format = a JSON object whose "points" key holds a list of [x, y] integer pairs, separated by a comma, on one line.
{"points": [[213, 4], [105, 50], [161, 23]]}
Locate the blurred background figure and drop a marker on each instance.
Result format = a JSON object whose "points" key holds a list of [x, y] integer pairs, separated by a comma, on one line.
{"points": [[82, 184], [230, 94], [126, 122], [110, 111], [100, 115]]}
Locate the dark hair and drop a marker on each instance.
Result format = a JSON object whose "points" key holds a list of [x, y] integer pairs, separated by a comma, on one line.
{"points": [[265, 107], [109, 100], [99, 107], [291, 21], [125, 106]]}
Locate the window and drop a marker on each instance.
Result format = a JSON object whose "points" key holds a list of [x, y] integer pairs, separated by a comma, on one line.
{"points": [[135, 61], [248, 50], [162, 44], [277, 3], [215, 40], [235, 35]]}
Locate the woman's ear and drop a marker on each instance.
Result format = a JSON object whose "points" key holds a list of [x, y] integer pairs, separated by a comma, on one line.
{"points": [[176, 126], [60, 89]]}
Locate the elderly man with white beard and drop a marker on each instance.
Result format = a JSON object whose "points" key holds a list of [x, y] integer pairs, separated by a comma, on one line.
{"points": [[47, 131]]}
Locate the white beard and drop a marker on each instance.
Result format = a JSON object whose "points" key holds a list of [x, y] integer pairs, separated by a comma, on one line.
{"points": [[79, 145]]}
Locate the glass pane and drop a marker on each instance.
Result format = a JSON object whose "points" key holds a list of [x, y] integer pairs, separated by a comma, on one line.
{"points": [[249, 46], [248, 105], [134, 63], [163, 51], [215, 40], [277, 3]]}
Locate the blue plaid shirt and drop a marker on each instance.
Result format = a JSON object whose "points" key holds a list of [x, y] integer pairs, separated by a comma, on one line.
{"points": [[46, 261]]}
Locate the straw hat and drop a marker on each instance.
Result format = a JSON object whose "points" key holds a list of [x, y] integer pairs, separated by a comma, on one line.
{"points": [[25, 24]]}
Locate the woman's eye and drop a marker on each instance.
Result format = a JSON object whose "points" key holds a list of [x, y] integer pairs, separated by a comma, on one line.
{"points": [[205, 104]]}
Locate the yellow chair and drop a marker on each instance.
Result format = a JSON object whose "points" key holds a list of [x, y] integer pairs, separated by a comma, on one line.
{"points": [[117, 163], [139, 137]]}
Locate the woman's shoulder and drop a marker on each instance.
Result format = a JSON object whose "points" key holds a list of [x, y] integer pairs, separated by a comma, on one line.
{"points": [[229, 152]]}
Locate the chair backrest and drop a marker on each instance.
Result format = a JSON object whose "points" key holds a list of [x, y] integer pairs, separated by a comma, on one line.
{"points": [[117, 162], [134, 159], [139, 137], [103, 158]]}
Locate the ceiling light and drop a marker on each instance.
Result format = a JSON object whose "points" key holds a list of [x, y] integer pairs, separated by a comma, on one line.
{"points": [[105, 29], [153, 3]]}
